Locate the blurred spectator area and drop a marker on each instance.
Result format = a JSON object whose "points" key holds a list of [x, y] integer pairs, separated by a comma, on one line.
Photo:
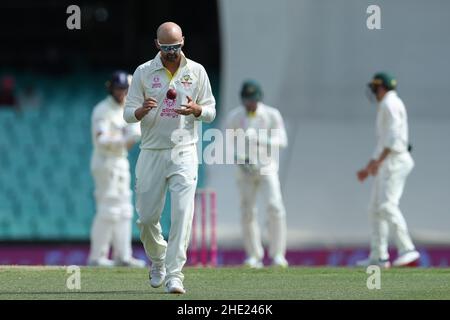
{"points": [[46, 189], [45, 184]]}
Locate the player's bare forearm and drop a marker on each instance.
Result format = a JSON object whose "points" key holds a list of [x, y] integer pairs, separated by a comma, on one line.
{"points": [[370, 164], [148, 105], [383, 155]]}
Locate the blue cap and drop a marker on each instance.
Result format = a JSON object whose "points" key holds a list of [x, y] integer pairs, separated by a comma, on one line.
{"points": [[119, 79]]}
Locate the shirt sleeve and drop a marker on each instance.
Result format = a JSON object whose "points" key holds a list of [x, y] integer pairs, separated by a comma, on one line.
{"points": [[132, 132], [277, 135], [206, 99], [135, 97], [100, 125], [392, 137], [103, 134], [376, 153]]}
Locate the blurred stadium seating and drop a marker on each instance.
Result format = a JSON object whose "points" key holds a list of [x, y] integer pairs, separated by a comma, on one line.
{"points": [[46, 190], [45, 183]]}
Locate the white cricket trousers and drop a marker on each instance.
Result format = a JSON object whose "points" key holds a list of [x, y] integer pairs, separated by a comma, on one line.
{"points": [[249, 185], [157, 171], [384, 209], [114, 211], [106, 232]]}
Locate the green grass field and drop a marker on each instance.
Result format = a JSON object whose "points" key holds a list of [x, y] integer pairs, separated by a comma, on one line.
{"points": [[226, 283]]}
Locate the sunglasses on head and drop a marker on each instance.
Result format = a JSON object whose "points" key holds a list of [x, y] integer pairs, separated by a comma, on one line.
{"points": [[170, 47]]}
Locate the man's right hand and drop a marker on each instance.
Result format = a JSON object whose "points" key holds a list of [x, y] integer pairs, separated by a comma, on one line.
{"points": [[362, 174], [148, 105], [370, 169]]}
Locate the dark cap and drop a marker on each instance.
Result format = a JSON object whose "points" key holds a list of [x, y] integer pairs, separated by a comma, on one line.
{"points": [[385, 79], [251, 90], [119, 79]]}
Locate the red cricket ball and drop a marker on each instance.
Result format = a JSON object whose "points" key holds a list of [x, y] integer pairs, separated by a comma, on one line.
{"points": [[171, 94]]}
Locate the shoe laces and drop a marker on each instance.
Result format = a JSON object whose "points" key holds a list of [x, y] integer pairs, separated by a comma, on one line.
{"points": [[157, 270], [175, 283]]}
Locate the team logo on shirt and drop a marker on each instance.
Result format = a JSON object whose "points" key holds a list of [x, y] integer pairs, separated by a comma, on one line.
{"points": [[156, 82], [186, 80], [168, 108]]}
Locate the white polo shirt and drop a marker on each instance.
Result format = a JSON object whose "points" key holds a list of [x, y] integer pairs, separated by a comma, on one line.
{"points": [[152, 79], [391, 125]]}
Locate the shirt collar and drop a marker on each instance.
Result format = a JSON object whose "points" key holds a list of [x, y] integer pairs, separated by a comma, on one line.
{"points": [[257, 111], [113, 102], [157, 63], [390, 93]]}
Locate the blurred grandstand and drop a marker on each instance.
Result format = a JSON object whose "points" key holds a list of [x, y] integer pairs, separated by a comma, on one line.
{"points": [[46, 191], [313, 59], [46, 188]]}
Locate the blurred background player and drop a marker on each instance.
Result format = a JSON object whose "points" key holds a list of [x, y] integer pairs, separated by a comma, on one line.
{"points": [[157, 169], [391, 164], [35, 204], [255, 178], [112, 138]]}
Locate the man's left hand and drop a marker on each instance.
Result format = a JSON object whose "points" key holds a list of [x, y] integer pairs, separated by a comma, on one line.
{"points": [[190, 108]]}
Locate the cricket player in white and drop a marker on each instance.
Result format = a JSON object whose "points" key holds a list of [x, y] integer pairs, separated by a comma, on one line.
{"points": [[391, 164], [259, 177], [112, 138], [168, 157]]}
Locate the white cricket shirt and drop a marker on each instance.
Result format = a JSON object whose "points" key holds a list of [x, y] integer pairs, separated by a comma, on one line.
{"points": [[107, 119], [265, 117], [391, 125], [152, 79]]}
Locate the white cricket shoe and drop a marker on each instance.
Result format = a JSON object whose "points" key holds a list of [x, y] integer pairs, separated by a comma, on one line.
{"points": [[157, 275], [101, 262], [280, 261], [406, 258], [253, 263], [132, 263], [372, 262], [175, 286]]}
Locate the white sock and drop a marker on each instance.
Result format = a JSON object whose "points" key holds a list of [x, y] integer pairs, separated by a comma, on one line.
{"points": [[101, 236], [122, 240]]}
